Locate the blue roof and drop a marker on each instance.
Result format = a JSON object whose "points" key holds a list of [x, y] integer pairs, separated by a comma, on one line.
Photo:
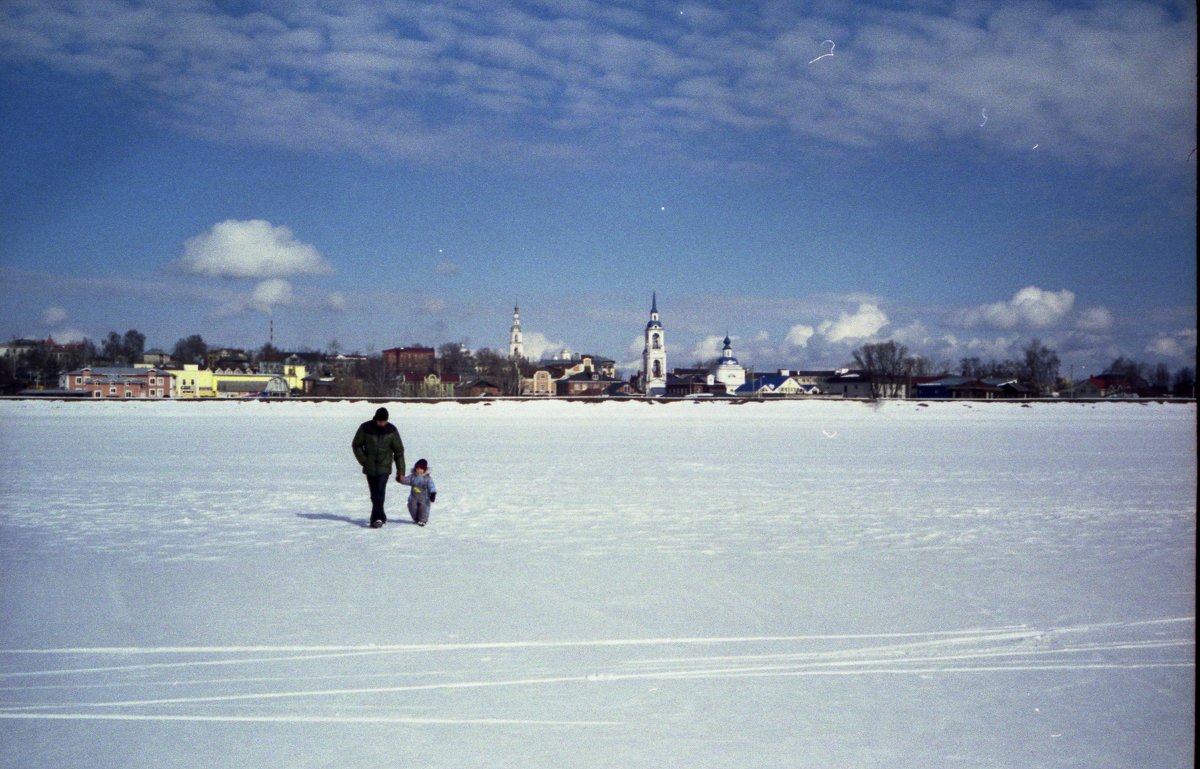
{"points": [[774, 381], [950, 381]]}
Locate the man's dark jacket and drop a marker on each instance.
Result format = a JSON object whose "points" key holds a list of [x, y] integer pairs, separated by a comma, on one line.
{"points": [[376, 447]]}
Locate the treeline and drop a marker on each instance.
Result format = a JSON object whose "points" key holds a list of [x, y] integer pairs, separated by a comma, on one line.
{"points": [[41, 363], [1038, 366], [369, 375]]}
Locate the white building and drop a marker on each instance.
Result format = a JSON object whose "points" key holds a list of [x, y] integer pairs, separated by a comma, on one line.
{"points": [[516, 342], [654, 355], [727, 370]]}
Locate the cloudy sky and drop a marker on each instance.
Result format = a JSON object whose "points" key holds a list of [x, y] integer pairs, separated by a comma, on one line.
{"points": [[961, 177]]}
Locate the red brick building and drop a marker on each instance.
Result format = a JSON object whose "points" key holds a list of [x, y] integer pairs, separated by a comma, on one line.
{"points": [[119, 382], [410, 360]]}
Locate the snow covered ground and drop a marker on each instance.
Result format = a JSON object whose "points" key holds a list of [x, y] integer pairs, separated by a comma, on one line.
{"points": [[799, 584]]}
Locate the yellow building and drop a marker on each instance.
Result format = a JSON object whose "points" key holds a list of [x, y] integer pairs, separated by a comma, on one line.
{"points": [[195, 382], [192, 382]]}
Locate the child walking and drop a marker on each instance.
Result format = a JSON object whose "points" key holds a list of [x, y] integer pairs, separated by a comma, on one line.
{"points": [[423, 494]]}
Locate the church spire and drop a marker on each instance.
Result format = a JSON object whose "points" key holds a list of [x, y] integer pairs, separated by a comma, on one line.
{"points": [[516, 340], [654, 356]]}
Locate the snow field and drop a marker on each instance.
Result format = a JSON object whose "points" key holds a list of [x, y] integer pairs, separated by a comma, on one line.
{"points": [[613, 584]]}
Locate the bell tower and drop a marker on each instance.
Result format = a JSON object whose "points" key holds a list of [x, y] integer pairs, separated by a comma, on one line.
{"points": [[516, 343], [654, 356]]}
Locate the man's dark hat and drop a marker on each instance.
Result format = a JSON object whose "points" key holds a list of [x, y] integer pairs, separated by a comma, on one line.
{"points": [[381, 414]]}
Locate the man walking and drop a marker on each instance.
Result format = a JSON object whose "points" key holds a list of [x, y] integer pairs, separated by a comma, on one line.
{"points": [[376, 445]]}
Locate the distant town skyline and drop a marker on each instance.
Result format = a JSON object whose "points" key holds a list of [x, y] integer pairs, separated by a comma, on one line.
{"points": [[806, 178]]}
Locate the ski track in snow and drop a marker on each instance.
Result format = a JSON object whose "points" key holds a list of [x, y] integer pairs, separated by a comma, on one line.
{"points": [[1159, 643]]}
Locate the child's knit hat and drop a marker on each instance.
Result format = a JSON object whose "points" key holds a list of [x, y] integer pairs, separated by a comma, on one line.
{"points": [[421, 465]]}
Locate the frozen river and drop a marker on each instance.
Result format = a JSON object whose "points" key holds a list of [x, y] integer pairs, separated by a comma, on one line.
{"points": [[786, 584]]}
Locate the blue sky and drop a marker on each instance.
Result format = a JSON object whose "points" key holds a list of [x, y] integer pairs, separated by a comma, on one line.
{"points": [[961, 177]]}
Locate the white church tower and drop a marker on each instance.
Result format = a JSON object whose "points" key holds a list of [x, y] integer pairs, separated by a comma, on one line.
{"points": [[654, 356], [516, 342]]}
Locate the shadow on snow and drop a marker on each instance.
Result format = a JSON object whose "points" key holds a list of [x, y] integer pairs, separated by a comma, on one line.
{"points": [[362, 523]]}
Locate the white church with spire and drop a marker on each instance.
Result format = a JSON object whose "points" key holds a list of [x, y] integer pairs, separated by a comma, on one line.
{"points": [[516, 342], [654, 356]]}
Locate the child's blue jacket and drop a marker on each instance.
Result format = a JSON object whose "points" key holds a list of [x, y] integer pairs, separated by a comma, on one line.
{"points": [[422, 485]]}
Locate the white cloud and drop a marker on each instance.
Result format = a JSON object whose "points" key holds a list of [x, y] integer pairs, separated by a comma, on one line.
{"points": [[708, 348], [250, 249], [69, 335], [798, 335], [634, 353], [865, 322], [1094, 319], [538, 345], [1177, 345], [915, 335], [336, 301], [1031, 307], [998, 348], [432, 306], [265, 297], [590, 80], [54, 316], [272, 293]]}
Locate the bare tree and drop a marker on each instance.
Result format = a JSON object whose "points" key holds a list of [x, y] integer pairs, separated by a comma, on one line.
{"points": [[454, 359], [1040, 366], [111, 348], [126, 349], [269, 353], [504, 370], [374, 378], [490, 363], [192, 349], [1183, 384], [1130, 375], [885, 363], [919, 365], [38, 366], [133, 344]]}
